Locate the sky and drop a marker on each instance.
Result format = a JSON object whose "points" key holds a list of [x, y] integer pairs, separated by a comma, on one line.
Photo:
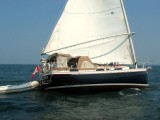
{"points": [[26, 25]]}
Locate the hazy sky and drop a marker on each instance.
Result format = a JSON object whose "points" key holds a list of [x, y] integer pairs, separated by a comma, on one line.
{"points": [[26, 25]]}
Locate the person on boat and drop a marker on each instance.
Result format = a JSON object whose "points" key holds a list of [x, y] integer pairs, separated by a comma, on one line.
{"points": [[44, 67], [53, 65]]}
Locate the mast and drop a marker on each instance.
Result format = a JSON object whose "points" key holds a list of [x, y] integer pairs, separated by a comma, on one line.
{"points": [[128, 28]]}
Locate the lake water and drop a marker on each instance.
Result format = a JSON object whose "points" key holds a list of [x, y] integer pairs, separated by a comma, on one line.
{"points": [[129, 104]]}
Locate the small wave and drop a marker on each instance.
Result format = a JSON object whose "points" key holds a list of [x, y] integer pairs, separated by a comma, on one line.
{"points": [[130, 92], [136, 89]]}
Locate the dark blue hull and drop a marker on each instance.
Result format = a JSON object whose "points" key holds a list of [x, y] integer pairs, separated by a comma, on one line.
{"points": [[94, 81]]}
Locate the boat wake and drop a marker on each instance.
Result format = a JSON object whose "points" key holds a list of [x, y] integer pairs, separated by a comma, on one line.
{"points": [[130, 92]]}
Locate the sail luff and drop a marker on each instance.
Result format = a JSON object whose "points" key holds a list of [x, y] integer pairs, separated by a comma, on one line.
{"points": [[128, 28]]}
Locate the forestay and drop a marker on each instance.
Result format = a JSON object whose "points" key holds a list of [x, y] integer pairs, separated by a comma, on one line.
{"points": [[95, 28]]}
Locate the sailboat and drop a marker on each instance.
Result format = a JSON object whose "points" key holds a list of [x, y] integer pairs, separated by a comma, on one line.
{"points": [[91, 48]]}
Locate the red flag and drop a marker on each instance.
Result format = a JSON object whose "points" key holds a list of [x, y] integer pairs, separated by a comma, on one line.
{"points": [[37, 69]]}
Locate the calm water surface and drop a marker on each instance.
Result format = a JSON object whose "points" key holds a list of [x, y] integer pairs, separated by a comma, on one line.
{"points": [[130, 104]]}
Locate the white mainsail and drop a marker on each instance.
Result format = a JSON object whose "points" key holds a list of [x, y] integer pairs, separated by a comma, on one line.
{"points": [[95, 28]]}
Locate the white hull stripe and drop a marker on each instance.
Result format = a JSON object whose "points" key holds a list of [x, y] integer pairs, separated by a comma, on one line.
{"points": [[97, 85]]}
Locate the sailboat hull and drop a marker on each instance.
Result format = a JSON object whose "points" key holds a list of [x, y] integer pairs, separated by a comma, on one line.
{"points": [[95, 81]]}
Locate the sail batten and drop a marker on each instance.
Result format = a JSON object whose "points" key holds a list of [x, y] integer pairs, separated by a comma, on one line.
{"points": [[83, 27]]}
